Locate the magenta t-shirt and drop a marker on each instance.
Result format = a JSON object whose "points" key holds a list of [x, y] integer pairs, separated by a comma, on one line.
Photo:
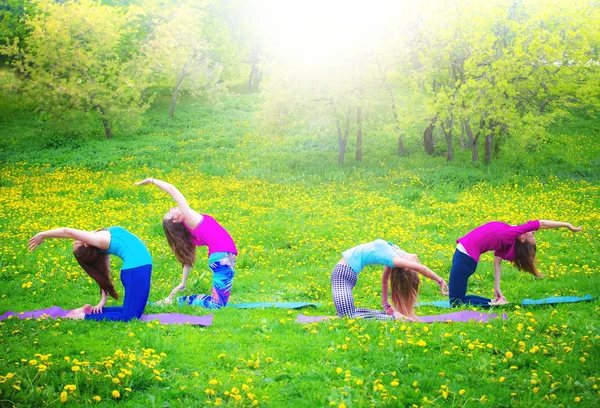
{"points": [[210, 233], [495, 236]]}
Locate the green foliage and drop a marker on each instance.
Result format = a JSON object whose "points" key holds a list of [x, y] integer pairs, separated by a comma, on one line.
{"points": [[75, 60]]}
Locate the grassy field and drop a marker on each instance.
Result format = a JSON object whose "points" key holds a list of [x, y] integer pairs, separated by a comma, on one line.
{"points": [[292, 210]]}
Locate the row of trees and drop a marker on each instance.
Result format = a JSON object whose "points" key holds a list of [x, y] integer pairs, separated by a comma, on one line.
{"points": [[451, 73], [465, 72], [108, 60]]}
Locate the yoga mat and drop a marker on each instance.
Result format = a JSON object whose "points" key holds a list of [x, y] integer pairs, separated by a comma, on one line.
{"points": [[164, 318], [437, 303], [462, 316], [556, 300], [526, 302], [279, 305]]}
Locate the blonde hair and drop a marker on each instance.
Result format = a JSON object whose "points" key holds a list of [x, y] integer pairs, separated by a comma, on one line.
{"points": [[180, 241], [404, 285]]}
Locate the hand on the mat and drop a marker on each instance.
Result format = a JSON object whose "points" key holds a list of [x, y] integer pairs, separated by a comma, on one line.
{"points": [[400, 316], [499, 297], [35, 241], [572, 228], [389, 310], [443, 287]]}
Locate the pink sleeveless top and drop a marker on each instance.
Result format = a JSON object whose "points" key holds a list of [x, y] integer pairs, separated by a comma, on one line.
{"points": [[210, 233]]}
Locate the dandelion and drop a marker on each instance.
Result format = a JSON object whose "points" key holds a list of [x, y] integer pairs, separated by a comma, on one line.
{"points": [[63, 396], [75, 369], [97, 398], [116, 394], [577, 399], [461, 392], [70, 387], [508, 354], [41, 368], [395, 383]]}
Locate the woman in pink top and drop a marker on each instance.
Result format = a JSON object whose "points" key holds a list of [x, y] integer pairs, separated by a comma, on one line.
{"points": [[510, 243], [186, 229]]}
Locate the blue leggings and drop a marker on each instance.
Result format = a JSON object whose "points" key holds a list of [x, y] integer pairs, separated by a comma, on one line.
{"points": [[223, 273], [137, 289], [463, 266]]}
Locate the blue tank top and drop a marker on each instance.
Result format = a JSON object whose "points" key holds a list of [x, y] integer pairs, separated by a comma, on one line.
{"points": [[378, 252], [128, 247]]}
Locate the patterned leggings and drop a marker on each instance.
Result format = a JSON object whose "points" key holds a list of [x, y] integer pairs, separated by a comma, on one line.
{"points": [[343, 280], [223, 273]]}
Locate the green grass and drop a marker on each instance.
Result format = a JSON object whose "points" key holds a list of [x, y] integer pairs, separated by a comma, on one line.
{"points": [[292, 210]]}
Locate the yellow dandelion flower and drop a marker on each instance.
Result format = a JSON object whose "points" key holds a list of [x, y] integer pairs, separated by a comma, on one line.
{"points": [[63, 396], [116, 394]]}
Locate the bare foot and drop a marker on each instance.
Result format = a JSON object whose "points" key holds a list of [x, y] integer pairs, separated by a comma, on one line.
{"points": [[498, 302], [165, 301], [79, 313]]}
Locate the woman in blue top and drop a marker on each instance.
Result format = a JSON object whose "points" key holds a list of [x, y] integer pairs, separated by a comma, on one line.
{"points": [[400, 269], [92, 250]]}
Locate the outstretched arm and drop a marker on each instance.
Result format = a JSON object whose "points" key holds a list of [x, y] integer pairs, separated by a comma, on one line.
{"points": [[98, 239], [544, 224], [192, 218], [423, 270]]}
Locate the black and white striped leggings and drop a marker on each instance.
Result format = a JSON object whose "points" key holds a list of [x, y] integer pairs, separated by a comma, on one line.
{"points": [[343, 280]]}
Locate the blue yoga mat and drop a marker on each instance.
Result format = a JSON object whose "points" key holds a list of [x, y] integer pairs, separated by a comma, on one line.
{"points": [[445, 304], [438, 303], [557, 299], [279, 305]]}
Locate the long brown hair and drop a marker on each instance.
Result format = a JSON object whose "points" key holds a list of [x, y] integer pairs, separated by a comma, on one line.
{"points": [[96, 264], [180, 241], [404, 284], [525, 253]]}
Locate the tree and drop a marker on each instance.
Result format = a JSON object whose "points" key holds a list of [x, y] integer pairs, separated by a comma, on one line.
{"points": [[76, 60], [189, 48]]}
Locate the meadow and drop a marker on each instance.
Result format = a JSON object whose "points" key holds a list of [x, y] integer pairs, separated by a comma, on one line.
{"points": [[292, 211]]}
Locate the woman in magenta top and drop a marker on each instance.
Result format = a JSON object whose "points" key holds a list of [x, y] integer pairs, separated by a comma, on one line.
{"points": [[510, 243], [186, 229]]}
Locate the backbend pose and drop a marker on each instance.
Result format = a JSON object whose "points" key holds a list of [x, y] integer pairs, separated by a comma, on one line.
{"points": [[400, 269], [92, 250], [509, 243], [186, 229]]}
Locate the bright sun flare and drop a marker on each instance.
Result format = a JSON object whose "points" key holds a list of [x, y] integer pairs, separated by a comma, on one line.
{"points": [[321, 31]]}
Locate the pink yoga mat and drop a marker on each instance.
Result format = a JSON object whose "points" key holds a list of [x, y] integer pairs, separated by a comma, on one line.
{"points": [[462, 316], [164, 318]]}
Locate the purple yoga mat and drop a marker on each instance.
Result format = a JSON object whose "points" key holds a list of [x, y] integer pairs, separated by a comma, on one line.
{"points": [[462, 316], [164, 318]]}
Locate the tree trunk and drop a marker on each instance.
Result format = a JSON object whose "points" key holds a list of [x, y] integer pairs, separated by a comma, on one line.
{"points": [[473, 141], [359, 134], [428, 138], [401, 148], [489, 142], [343, 140], [448, 136], [388, 88], [107, 128], [176, 93]]}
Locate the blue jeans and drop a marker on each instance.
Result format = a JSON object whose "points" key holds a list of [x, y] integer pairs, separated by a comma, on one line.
{"points": [[136, 282], [463, 266]]}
